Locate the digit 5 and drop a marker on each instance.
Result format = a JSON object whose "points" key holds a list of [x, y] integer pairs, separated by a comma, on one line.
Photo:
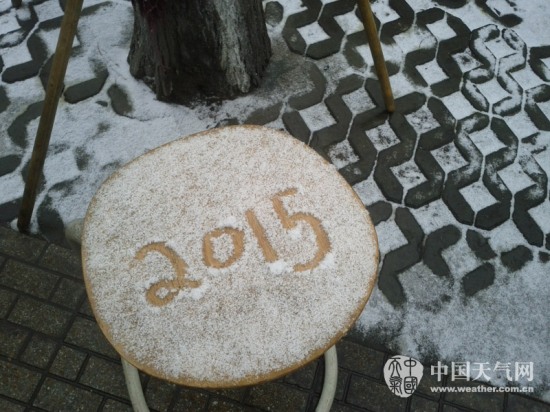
{"points": [[290, 221]]}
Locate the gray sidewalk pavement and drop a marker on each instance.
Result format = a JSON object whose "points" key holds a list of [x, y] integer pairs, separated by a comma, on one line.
{"points": [[53, 356]]}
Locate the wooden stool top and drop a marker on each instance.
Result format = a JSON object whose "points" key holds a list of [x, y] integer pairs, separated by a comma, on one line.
{"points": [[227, 258]]}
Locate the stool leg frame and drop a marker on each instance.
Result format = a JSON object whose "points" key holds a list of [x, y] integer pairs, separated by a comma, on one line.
{"points": [[134, 387], [139, 404], [131, 374], [329, 384], [377, 54]]}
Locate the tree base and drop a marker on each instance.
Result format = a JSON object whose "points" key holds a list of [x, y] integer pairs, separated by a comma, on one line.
{"points": [[184, 50]]}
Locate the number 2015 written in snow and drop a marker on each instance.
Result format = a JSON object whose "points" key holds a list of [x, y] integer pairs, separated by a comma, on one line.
{"points": [[164, 291]]}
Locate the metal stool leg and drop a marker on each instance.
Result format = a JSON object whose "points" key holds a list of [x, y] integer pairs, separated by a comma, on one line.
{"points": [[377, 54], [134, 387], [329, 384]]}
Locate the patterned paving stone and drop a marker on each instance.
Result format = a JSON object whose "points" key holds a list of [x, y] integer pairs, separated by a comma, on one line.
{"points": [[273, 13], [484, 401], [274, 396], [54, 393], [453, 37], [189, 400], [304, 377], [221, 405], [39, 351], [265, 115], [521, 404], [423, 404], [86, 334], [67, 363], [28, 279], [428, 381], [7, 298], [8, 164], [86, 89], [4, 100], [394, 156], [49, 220], [451, 408], [105, 376], [436, 242], [373, 396], [379, 212], [502, 52], [10, 209], [538, 214], [40, 316], [342, 154], [516, 258], [69, 293], [8, 406], [18, 129], [23, 247], [236, 394], [17, 382], [402, 258], [315, 32], [392, 21], [31, 68], [360, 359], [479, 245], [342, 408], [13, 338], [391, 237], [62, 260], [116, 406], [86, 309], [341, 385], [478, 279], [119, 100], [159, 394]]}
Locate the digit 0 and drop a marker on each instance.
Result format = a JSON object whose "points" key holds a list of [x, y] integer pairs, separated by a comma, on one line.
{"points": [[237, 238]]}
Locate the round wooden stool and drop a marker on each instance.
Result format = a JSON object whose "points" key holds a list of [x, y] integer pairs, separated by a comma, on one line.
{"points": [[227, 258]]}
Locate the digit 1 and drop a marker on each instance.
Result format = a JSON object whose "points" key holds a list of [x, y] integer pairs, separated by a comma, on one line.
{"points": [[269, 253]]}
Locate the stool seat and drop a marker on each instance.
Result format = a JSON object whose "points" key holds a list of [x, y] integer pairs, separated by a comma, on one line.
{"points": [[227, 258]]}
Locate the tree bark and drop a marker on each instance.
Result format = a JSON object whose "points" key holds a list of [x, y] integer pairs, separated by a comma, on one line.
{"points": [[184, 49]]}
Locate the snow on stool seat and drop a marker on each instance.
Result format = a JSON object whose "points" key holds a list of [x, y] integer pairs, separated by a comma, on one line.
{"points": [[227, 258]]}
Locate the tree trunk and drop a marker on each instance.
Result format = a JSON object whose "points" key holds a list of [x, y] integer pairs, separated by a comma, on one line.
{"points": [[184, 49]]}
